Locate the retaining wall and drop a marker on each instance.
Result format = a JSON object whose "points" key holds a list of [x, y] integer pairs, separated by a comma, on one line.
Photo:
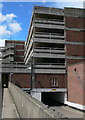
{"points": [[27, 106]]}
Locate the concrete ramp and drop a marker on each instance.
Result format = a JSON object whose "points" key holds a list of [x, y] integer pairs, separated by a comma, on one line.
{"points": [[29, 107], [9, 109]]}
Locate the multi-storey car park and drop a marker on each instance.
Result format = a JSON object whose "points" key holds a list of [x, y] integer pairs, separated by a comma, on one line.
{"points": [[45, 50], [13, 67], [14, 51], [41, 65]]}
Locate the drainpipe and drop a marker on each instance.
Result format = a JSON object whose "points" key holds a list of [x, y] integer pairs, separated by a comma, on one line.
{"points": [[32, 81]]}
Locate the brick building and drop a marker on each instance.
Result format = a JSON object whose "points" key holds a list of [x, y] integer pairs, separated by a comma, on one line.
{"points": [[75, 56], [75, 34], [76, 85]]}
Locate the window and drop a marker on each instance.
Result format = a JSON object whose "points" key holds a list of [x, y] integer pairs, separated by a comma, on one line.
{"points": [[54, 82]]}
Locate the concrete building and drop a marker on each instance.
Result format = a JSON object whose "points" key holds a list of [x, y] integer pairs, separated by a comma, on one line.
{"points": [[45, 50]]}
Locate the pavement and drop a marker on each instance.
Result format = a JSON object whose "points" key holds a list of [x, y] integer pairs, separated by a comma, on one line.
{"points": [[9, 109], [68, 111]]}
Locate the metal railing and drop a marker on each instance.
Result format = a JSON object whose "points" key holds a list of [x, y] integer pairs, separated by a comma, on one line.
{"points": [[48, 48], [44, 33], [1, 49], [9, 45], [13, 65], [8, 53], [14, 68], [49, 63], [49, 21], [8, 59], [54, 26]]}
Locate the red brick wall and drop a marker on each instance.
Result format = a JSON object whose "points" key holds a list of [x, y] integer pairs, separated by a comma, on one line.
{"points": [[75, 50], [73, 61], [21, 53], [76, 87], [75, 22], [75, 36], [14, 41], [42, 80], [20, 47], [21, 80], [19, 59]]}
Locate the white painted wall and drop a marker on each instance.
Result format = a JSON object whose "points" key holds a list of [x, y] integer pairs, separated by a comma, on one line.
{"points": [[75, 105], [36, 95], [59, 96]]}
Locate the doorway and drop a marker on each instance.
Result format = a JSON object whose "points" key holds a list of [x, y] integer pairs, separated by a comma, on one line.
{"points": [[5, 80]]}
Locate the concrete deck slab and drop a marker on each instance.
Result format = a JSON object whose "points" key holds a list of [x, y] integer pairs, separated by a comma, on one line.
{"points": [[9, 109]]}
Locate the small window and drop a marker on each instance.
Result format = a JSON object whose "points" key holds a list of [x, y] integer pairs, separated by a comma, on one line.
{"points": [[54, 82]]}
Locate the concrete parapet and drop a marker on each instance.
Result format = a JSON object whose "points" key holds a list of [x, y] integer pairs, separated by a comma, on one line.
{"points": [[29, 107]]}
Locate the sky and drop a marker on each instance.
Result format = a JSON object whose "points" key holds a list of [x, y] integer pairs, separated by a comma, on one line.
{"points": [[15, 17]]}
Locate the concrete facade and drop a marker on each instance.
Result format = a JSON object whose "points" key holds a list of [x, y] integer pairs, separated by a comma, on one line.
{"points": [[45, 47]]}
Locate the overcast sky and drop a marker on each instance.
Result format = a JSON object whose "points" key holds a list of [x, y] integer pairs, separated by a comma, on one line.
{"points": [[15, 16]]}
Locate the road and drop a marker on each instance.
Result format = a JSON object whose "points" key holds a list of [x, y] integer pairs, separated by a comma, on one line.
{"points": [[67, 111], [63, 110]]}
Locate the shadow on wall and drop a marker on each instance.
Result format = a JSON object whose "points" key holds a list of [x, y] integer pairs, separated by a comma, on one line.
{"points": [[53, 98]]}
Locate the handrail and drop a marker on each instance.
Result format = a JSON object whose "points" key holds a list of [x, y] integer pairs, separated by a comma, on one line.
{"points": [[49, 48], [8, 52], [49, 63], [44, 33], [42, 19], [14, 65]]}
